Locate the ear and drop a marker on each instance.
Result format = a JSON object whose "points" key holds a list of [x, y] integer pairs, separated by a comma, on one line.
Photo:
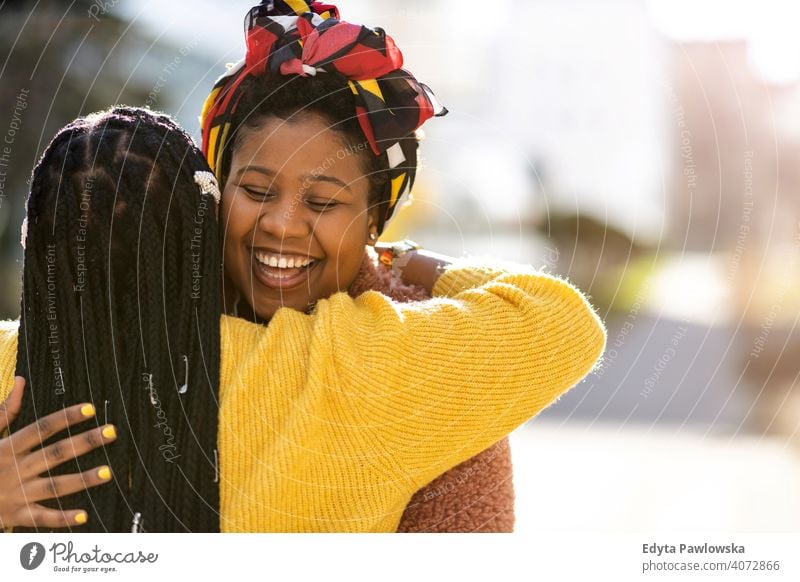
{"points": [[372, 226]]}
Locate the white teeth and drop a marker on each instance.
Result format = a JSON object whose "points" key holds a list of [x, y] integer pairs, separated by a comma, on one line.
{"points": [[281, 261]]}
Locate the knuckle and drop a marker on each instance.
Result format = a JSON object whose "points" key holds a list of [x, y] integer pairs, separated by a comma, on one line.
{"points": [[45, 426], [93, 438], [56, 451], [50, 488]]}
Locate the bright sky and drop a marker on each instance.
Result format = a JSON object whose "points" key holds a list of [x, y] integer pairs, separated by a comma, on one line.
{"points": [[219, 24], [770, 26]]}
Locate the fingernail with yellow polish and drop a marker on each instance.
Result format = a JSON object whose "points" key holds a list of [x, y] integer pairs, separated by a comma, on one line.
{"points": [[87, 410], [104, 473], [110, 432], [81, 518]]}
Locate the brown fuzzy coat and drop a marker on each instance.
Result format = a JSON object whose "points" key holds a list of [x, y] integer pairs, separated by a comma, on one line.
{"points": [[478, 494]]}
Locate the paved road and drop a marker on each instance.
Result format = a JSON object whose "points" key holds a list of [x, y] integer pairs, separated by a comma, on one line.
{"points": [[570, 476]]}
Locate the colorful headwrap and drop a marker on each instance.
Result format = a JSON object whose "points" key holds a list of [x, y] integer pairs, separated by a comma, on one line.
{"points": [[288, 37]]}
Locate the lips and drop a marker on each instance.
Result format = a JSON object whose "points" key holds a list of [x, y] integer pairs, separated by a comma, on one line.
{"points": [[277, 277]]}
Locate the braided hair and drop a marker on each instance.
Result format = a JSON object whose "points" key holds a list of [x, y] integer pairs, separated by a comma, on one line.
{"points": [[121, 307], [328, 95]]}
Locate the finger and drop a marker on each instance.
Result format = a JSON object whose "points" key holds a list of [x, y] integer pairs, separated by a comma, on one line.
{"points": [[52, 456], [9, 409], [55, 487], [38, 516], [35, 433]]}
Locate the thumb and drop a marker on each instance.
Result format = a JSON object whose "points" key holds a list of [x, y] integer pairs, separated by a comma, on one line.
{"points": [[9, 409]]}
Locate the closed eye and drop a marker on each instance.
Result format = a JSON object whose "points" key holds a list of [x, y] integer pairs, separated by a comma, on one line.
{"points": [[257, 194], [322, 205]]}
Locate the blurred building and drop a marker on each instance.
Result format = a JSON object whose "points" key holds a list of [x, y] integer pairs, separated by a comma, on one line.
{"points": [[62, 60], [735, 138]]}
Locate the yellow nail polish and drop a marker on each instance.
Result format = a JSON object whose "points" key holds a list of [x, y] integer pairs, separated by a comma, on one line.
{"points": [[87, 410], [110, 432], [104, 473], [81, 518]]}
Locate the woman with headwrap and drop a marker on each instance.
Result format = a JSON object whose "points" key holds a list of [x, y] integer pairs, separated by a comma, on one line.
{"points": [[305, 67]]}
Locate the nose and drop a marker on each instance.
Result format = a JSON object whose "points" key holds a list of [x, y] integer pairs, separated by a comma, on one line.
{"points": [[284, 218]]}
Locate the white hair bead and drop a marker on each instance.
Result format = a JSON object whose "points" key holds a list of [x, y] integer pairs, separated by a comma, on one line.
{"points": [[208, 184]]}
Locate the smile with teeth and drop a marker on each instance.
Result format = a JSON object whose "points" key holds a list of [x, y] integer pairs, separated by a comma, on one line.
{"points": [[282, 266]]}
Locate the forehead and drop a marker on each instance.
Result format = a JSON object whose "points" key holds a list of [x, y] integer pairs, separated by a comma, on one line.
{"points": [[299, 145]]}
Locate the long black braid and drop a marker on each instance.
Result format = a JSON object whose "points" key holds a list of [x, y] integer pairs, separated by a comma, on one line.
{"points": [[121, 306]]}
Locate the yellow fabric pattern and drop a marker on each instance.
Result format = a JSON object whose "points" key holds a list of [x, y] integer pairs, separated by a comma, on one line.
{"points": [[208, 103], [8, 360], [298, 6], [397, 183], [212, 148], [8, 356], [371, 86], [332, 421]]}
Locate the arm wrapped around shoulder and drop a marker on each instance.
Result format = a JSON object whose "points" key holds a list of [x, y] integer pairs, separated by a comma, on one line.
{"points": [[440, 380]]}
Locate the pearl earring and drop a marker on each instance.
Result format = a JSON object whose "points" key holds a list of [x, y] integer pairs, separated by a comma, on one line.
{"points": [[373, 236]]}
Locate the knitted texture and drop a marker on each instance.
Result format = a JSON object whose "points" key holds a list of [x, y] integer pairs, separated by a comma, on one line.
{"points": [[478, 494], [8, 359], [389, 395]]}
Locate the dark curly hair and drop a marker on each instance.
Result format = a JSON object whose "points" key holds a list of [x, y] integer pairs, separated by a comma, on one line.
{"points": [[121, 305]]}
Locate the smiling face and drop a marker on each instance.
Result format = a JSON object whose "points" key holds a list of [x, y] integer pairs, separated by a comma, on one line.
{"points": [[294, 214]]}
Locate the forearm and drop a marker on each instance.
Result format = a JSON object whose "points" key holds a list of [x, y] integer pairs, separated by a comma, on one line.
{"points": [[422, 268]]}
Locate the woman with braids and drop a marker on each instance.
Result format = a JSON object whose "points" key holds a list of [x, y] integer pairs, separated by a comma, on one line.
{"points": [[121, 287], [335, 413]]}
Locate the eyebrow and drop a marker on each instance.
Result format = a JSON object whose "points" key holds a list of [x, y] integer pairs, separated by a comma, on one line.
{"points": [[259, 169], [324, 178], [304, 177]]}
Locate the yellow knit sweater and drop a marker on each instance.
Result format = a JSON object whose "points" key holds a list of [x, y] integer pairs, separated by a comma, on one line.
{"points": [[331, 421]]}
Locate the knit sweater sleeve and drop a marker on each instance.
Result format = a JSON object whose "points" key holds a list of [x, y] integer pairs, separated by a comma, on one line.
{"points": [[8, 358], [435, 382]]}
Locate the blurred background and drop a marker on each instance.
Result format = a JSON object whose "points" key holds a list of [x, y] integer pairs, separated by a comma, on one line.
{"points": [[646, 150]]}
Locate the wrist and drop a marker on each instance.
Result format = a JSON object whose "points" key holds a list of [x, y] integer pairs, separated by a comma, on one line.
{"points": [[396, 255]]}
